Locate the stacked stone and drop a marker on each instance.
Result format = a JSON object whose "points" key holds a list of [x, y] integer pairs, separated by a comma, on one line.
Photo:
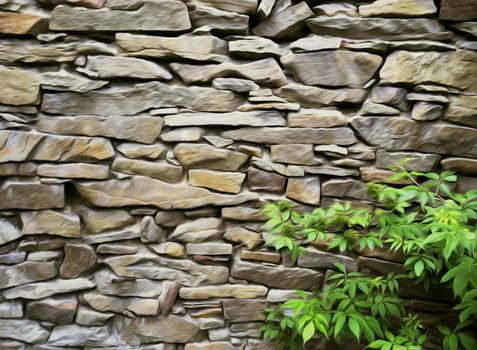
{"points": [[139, 140]]}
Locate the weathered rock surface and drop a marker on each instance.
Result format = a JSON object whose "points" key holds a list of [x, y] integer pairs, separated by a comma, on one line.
{"points": [[74, 170], [246, 6], [255, 118], [89, 317], [266, 72], [40, 290], [404, 8], [140, 97], [332, 68], [22, 23], [244, 310], [458, 10], [223, 22], [39, 146], [306, 190], [418, 162], [31, 195], [66, 81], [210, 345], [379, 28], [340, 136], [259, 180], [58, 310], [157, 170], [454, 69], [170, 15], [136, 150], [200, 155], [187, 134], [315, 97], [78, 258], [194, 47], [234, 84], [216, 180], [50, 222], [8, 232], [209, 248], [126, 306], [198, 230], [139, 128], [315, 258], [460, 165], [254, 47], [316, 118], [24, 330], [19, 87], [301, 154], [462, 110], [287, 23], [452, 140], [348, 188], [11, 309], [223, 291], [96, 221], [276, 276], [426, 111], [163, 329], [74, 335]]}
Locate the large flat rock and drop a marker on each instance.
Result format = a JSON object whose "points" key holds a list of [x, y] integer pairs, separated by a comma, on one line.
{"points": [[31, 195], [26, 272], [170, 329], [456, 69], [19, 87], [167, 15], [400, 134], [24, 330], [399, 8], [40, 290], [22, 23], [140, 97], [458, 10], [253, 118]]}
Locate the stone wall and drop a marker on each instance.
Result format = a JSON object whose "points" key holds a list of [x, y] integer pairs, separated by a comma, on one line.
{"points": [[140, 138]]}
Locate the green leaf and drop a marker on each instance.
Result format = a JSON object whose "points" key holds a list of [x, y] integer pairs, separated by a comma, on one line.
{"points": [[354, 327], [468, 342], [419, 268], [308, 332]]}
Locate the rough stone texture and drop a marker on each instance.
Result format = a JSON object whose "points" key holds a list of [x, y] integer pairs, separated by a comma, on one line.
{"points": [[332, 68], [140, 140], [169, 15]]}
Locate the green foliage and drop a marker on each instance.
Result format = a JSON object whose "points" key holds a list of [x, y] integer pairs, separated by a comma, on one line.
{"points": [[425, 221]]}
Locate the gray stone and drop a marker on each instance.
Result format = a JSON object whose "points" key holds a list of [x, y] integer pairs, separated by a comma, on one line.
{"points": [[8, 232], [124, 67], [281, 295], [137, 150], [58, 310], [306, 189], [50, 222], [280, 135], [30, 195], [316, 118], [330, 170], [452, 140], [454, 69], [315, 97], [458, 10], [244, 310], [26, 272], [217, 180], [24, 330], [109, 284], [222, 22], [193, 47], [209, 248], [74, 335], [172, 249], [460, 165], [315, 43], [259, 180], [332, 68], [11, 309], [263, 256], [371, 108], [462, 110], [151, 266], [389, 95], [37, 146], [234, 84], [263, 72], [252, 47], [89, 317], [66, 81], [426, 111], [318, 259], [164, 329], [404, 8], [276, 276], [287, 23], [45, 256], [223, 291], [139, 128], [245, 6], [220, 345], [187, 134], [119, 248], [18, 169], [78, 259], [19, 87], [170, 15], [128, 306], [40, 290], [418, 162], [74, 170], [344, 188], [157, 170], [11, 258], [199, 230], [301, 154], [140, 97], [255, 118], [204, 156], [427, 97], [379, 28], [467, 27]]}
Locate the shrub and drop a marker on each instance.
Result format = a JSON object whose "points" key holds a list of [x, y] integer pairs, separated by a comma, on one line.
{"points": [[433, 228]]}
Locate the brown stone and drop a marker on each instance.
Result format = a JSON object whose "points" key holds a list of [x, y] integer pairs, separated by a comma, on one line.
{"points": [[316, 118], [157, 170], [380, 266], [74, 171], [217, 180], [19, 87], [301, 154], [260, 256], [221, 22], [30, 195], [168, 299], [126, 306], [458, 10], [318, 259], [239, 234], [50, 222], [243, 214], [260, 180], [210, 346], [78, 258], [462, 110], [97, 221], [244, 310], [164, 329], [418, 161], [306, 189], [22, 23], [376, 175], [58, 310], [223, 291], [460, 165], [345, 188]]}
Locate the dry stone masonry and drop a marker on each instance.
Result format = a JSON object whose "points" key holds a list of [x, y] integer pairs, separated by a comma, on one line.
{"points": [[140, 138]]}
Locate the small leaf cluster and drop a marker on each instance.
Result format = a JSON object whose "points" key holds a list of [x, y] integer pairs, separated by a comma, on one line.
{"points": [[431, 226]]}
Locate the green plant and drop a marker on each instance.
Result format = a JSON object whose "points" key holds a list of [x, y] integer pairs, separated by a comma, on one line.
{"points": [[434, 229]]}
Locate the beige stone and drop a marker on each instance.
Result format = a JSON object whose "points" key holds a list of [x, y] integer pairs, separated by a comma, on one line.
{"points": [[223, 291], [30, 195], [255, 118], [96, 221], [137, 150], [22, 23], [89, 317], [50, 222], [254, 47], [78, 336], [199, 230], [306, 190], [26, 272], [168, 15], [157, 170], [315, 43], [264, 72], [460, 165], [405, 8], [164, 329], [332, 68], [301, 154], [269, 257], [126, 306], [462, 110], [244, 6], [63, 80], [40, 290], [316, 118], [418, 161], [216, 180], [74, 171], [19, 87], [244, 236], [109, 284], [244, 310], [173, 249], [205, 156], [8, 232], [223, 22]]}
